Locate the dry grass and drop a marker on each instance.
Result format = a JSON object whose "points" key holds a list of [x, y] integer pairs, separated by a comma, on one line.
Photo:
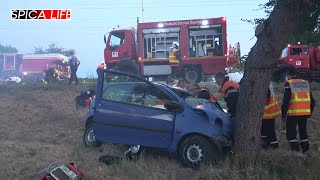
{"points": [[39, 124]]}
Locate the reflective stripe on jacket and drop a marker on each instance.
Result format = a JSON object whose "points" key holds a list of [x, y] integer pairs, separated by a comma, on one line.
{"points": [[272, 108], [227, 85], [300, 98]]}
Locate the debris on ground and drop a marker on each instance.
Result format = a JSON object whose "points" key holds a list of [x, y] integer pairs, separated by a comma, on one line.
{"points": [[61, 172]]}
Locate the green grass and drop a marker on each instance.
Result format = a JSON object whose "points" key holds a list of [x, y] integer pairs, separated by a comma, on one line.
{"points": [[39, 124]]}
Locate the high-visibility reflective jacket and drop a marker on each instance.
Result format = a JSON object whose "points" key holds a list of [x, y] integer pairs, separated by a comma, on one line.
{"points": [[272, 108], [300, 98], [173, 55], [227, 85]]}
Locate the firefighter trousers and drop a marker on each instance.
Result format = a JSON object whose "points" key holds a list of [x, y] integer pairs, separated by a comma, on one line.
{"points": [[291, 126], [73, 76], [268, 134]]}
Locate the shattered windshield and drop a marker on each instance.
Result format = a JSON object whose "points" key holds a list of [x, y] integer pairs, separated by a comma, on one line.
{"points": [[194, 101]]}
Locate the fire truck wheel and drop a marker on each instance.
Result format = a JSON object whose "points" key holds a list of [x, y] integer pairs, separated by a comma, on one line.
{"points": [[193, 75]]}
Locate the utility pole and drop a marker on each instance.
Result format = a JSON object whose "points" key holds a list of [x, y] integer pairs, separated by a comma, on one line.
{"points": [[142, 10]]}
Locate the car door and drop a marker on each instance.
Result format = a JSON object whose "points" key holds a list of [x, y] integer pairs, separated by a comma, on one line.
{"points": [[127, 112]]}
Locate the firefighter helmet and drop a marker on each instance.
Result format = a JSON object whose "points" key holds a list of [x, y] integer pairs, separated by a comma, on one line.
{"points": [[175, 44]]}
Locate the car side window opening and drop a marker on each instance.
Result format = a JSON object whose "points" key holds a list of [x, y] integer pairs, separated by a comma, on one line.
{"points": [[116, 92], [116, 39], [126, 89]]}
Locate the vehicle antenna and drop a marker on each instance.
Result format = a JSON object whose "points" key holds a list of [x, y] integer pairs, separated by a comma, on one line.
{"points": [[142, 9]]}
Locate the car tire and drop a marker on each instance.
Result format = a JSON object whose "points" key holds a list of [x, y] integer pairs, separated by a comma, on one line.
{"points": [[197, 150], [88, 138], [193, 75]]}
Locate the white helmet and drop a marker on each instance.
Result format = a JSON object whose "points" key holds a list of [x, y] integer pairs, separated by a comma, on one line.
{"points": [[175, 44]]}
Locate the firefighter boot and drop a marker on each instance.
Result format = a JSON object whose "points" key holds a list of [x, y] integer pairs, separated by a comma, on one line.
{"points": [[304, 146], [295, 146]]}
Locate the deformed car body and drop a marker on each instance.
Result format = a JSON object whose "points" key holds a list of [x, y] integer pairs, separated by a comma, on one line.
{"points": [[133, 111]]}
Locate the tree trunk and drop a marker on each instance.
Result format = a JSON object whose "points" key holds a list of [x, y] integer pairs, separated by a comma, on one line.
{"points": [[272, 37]]}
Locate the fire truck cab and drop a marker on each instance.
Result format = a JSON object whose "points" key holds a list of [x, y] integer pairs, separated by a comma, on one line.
{"points": [[305, 58], [10, 64], [203, 48]]}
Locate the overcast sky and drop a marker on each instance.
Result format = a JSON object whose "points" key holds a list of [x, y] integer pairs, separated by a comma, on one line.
{"points": [[92, 19]]}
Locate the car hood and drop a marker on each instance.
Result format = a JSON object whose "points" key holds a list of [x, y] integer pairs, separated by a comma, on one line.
{"points": [[214, 114]]}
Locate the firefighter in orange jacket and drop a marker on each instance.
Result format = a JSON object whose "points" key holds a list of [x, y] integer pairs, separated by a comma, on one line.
{"points": [[271, 112], [297, 107], [230, 91], [101, 65]]}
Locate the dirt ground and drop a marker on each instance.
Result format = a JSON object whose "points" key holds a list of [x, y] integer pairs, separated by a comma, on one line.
{"points": [[39, 125]]}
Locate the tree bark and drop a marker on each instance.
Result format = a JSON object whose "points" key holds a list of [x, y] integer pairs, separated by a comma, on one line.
{"points": [[272, 37]]}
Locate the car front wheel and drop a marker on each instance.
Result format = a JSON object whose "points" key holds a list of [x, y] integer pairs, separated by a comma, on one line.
{"points": [[89, 138], [197, 150]]}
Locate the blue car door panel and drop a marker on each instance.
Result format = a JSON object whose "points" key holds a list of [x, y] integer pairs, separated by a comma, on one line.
{"points": [[130, 124]]}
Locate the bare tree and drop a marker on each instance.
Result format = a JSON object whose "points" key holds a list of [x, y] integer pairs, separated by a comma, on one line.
{"points": [[52, 48], [272, 36]]}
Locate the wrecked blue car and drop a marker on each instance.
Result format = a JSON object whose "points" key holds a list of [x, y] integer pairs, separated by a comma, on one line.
{"points": [[133, 111]]}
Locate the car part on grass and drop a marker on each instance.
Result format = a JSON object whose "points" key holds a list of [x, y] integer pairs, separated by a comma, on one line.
{"points": [[133, 153], [110, 160], [84, 98], [55, 171]]}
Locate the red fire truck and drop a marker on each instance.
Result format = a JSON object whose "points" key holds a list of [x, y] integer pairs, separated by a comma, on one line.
{"points": [[203, 48], [34, 66], [10, 64], [305, 58]]}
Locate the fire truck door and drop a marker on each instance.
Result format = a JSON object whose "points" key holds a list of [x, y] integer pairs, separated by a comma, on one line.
{"points": [[9, 62]]}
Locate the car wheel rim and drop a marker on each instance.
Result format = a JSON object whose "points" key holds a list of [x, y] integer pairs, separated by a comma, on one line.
{"points": [[192, 76], [194, 153], [90, 136]]}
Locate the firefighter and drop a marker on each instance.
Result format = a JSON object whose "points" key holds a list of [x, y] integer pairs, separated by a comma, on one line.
{"points": [[101, 65], [230, 91], [271, 112], [174, 54], [297, 107], [74, 64]]}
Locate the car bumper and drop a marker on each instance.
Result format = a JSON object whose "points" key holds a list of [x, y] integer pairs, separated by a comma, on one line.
{"points": [[224, 142]]}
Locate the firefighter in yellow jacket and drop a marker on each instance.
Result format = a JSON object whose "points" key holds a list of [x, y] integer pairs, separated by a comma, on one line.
{"points": [[297, 107], [174, 54], [271, 112]]}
